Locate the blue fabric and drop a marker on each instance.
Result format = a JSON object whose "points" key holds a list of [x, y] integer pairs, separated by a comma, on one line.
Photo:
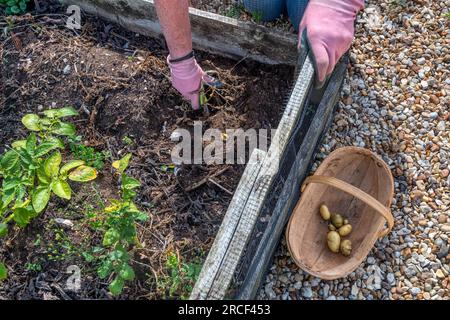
{"points": [[267, 9], [296, 9]]}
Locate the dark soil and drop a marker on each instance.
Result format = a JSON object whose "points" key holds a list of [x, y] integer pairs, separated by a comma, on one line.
{"points": [[120, 84]]}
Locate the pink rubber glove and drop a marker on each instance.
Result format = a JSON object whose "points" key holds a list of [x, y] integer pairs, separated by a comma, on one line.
{"points": [[188, 78], [330, 30]]}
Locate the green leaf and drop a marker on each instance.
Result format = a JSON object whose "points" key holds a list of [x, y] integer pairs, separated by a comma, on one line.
{"points": [[9, 160], [25, 156], [22, 216], [141, 216], [19, 144], [83, 174], [62, 189], [47, 146], [3, 272], [7, 197], [88, 257], [127, 273], [129, 183], [3, 229], [67, 112], [116, 286], [51, 164], [122, 164], [60, 113], [65, 129], [111, 236], [31, 122], [31, 143], [10, 183], [128, 194], [105, 269], [40, 198], [43, 178], [70, 165], [22, 5]]}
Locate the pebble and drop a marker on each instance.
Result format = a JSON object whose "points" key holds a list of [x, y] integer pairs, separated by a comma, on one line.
{"points": [[306, 292], [65, 223], [67, 69], [440, 274], [415, 291]]}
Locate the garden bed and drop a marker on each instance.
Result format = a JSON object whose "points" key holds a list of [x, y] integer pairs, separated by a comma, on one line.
{"points": [[119, 83]]}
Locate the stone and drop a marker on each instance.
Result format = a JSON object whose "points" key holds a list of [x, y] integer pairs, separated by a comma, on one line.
{"points": [[390, 278], [355, 290], [67, 69], [415, 291], [440, 274], [442, 218], [306, 292], [65, 223]]}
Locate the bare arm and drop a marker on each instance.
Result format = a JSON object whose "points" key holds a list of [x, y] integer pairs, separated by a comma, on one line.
{"points": [[173, 16]]}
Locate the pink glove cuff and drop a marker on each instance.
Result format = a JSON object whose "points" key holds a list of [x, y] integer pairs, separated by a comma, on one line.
{"points": [[186, 76]]}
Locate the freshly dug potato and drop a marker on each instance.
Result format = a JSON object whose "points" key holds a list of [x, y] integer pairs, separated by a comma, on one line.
{"points": [[324, 212], [337, 220], [333, 241], [331, 227], [346, 221], [345, 230], [346, 247]]}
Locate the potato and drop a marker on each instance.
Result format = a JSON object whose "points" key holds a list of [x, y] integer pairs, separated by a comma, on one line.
{"points": [[346, 247], [345, 230], [333, 241], [337, 220], [324, 212], [346, 221], [331, 227]]}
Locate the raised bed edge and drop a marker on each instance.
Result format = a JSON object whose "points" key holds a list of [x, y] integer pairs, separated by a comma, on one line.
{"points": [[211, 32], [305, 154]]}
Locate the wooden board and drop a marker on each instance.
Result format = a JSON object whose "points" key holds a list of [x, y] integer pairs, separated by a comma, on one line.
{"points": [[211, 32], [231, 227], [216, 276]]}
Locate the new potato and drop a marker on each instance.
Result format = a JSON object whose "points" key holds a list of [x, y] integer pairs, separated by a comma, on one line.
{"points": [[337, 220], [345, 230], [333, 241], [324, 212], [346, 247]]}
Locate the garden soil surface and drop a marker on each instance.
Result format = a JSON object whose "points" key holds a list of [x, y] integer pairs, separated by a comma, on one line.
{"points": [[120, 84]]}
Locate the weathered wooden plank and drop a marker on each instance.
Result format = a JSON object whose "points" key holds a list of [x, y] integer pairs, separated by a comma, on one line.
{"points": [[211, 32], [261, 188], [288, 198], [228, 227]]}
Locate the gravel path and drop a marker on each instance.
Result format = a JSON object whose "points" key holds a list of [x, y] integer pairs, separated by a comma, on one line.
{"points": [[396, 103]]}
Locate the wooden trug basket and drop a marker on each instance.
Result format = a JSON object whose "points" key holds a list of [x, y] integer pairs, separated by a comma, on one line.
{"points": [[355, 183]]}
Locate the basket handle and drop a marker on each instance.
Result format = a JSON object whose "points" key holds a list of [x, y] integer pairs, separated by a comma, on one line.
{"points": [[357, 193]]}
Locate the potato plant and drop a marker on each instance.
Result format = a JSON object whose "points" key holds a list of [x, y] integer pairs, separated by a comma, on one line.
{"points": [[120, 231], [31, 170]]}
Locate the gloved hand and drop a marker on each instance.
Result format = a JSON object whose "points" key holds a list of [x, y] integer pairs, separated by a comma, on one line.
{"points": [[330, 30], [188, 78]]}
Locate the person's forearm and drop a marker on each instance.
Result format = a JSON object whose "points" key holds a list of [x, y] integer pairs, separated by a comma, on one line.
{"points": [[173, 16]]}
